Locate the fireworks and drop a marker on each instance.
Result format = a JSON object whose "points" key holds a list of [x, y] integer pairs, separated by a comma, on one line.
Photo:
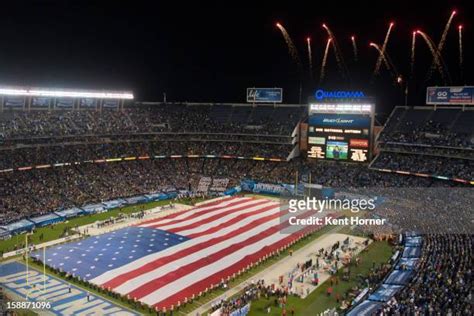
{"points": [[438, 65], [445, 31], [441, 42], [412, 61], [381, 55], [310, 57], [325, 57], [460, 49], [337, 52], [291, 47], [354, 47], [436, 55], [384, 47], [388, 62]]}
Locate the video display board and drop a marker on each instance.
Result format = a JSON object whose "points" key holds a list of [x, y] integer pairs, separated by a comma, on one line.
{"points": [[344, 137]]}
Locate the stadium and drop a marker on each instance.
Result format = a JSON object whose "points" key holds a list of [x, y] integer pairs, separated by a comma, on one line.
{"points": [[111, 204]]}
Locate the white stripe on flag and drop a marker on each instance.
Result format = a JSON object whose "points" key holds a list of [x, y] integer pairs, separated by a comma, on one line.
{"points": [[193, 211]]}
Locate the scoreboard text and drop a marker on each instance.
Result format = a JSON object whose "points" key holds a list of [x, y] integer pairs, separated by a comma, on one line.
{"points": [[344, 137]]}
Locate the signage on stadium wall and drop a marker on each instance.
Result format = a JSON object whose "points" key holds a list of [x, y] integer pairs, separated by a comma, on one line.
{"points": [[111, 104], [266, 188], [13, 102], [40, 102], [64, 103], [264, 95], [88, 103], [342, 120], [322, 94], [450, 95]]}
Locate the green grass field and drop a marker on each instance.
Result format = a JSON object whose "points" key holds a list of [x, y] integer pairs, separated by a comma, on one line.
{"points": [[58, 230], [318, 301]]}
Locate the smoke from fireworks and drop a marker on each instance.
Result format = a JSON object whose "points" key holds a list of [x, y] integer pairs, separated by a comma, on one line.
{"points": [[337, 52], [291, 47], [436, 56], [325, 57], [441, 42], [412, 62], [460, 50], [310, 57], [354, 47]]}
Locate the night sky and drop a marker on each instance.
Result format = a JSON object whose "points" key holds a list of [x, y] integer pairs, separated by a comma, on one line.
{"points": [[214, 50]]}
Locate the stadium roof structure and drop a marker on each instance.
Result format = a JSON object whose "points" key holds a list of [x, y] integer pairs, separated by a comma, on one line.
{"points": [[60, 93]]}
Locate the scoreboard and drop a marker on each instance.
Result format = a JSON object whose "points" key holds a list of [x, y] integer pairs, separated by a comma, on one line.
{"points": [[340, 130], [343, 137]]}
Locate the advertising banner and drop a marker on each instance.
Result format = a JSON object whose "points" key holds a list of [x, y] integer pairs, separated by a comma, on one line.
{"points": [[40, 102], [88, 103], [340, 120], [266, 188], [264, 95], [13, 102], [64, 103], [110, 104], [450, 95]]}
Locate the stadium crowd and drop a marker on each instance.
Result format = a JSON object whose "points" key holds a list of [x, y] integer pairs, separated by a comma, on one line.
{"points": [[442, 284], [37, 191], [158, 117], [426, 164], [442, 127], [34, 156]]}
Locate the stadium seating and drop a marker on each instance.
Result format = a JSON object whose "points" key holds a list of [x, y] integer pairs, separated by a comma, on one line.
{"points": [[426, 126], [428, 142], [68, 159]]}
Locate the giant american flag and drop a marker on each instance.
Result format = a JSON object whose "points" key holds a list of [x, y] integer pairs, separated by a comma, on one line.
{"points": [[166, 260]]}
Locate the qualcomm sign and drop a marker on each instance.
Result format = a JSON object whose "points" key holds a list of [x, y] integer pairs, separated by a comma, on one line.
{"points": [[321, 94]]}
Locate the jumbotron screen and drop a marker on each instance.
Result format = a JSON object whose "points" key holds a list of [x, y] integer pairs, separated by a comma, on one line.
{"points": [[339, 135]]}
